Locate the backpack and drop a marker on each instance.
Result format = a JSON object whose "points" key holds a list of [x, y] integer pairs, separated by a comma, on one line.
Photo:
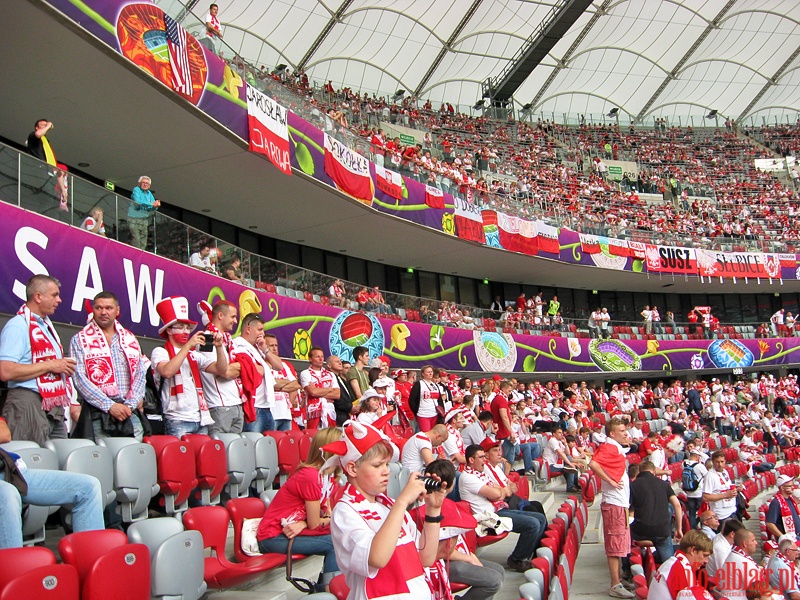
{"points": [[689, 479], [151, 406]]}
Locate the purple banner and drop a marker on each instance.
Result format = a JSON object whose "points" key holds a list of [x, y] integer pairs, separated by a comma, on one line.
{"points": [[86, 263]]}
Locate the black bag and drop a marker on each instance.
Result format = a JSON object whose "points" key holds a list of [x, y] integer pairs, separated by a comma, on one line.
{"points": [[152, 410]]}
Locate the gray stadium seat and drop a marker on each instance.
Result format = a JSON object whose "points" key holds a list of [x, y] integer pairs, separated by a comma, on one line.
{"points": [[35, 517], [19, 445], [135, 476], [266, 462], [62, 448], [241, 463], [176, 558], [531, 590], [97, 461]]}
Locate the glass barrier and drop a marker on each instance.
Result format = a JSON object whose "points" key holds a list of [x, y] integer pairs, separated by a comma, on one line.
{"points": [[30, 184]]}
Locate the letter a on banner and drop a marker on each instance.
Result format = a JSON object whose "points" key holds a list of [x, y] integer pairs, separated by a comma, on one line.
{"points": [[269, 133]]}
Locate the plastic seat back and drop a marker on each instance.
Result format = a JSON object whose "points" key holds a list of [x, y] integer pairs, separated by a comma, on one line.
{"points": [[176, 557], [135, 476], [176, 471], [266, 462], [288, 454], [17, 445], [122, 573], [63, 448], [83, 549], [35, 517], [211, 462], [241, 455], [394, 489], [17, 561], [97, 461], [240, 509], [51, 582]]}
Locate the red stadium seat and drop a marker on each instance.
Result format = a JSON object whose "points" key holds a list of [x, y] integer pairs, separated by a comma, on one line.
{"points": [[176, 471], [219, 572], [16, 561], [107, 565], [51, 582], [211, 464]]}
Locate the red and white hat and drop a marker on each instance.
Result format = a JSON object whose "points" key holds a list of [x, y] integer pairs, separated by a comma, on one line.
{"points": [[206, 312], [450, 414], [174, 309], [399, 373], [357, 438]]}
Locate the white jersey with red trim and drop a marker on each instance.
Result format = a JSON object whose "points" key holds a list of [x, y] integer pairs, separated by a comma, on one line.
{"points": [[674, 575], [354, 524], [321, 408]]}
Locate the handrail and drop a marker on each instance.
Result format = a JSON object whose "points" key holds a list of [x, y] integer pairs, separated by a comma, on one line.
{"points": [[30, 184]]}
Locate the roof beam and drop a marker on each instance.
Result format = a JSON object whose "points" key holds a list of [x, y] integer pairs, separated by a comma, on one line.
{"points": [[562, 62], [447, 47], [673, 74], [772, 81], [534, 50], [335, 18]]}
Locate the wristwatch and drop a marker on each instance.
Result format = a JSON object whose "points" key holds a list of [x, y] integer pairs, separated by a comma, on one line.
{"points": [[430, 519]]}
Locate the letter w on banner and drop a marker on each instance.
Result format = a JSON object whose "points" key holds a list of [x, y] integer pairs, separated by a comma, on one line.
{"points": [[469, 221], [349, 170], [269, 132]]}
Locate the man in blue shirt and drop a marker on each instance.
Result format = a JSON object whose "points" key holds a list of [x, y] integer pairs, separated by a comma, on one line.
{"points": [[39, 382], [140, 211]]}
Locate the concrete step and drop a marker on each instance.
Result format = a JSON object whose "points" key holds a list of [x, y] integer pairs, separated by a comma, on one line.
{"points": [[548, 500]]}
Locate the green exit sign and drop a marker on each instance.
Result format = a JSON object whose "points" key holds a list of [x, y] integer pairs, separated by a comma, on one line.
{"points": [[110, 186], [407, 139]]}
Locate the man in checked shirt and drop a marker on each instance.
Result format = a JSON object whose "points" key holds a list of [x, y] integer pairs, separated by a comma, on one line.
{"points": [[110, 372]]}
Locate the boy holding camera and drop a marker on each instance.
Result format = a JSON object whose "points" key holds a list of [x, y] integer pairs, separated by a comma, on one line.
{"points": [[378, 547]]}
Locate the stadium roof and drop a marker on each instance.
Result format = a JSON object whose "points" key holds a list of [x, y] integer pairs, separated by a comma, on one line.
{"points": [[648, 58]]}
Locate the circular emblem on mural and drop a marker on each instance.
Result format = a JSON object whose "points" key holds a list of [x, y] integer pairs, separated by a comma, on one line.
{"points": [[606, 260], [697, 362], [351, 329], [613, 355], [496, 352], [728, 354], [142, 35]]}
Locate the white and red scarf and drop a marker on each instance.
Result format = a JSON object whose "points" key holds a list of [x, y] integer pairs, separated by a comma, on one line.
{"points": [[176, 389], [97, 357], [498, 504], [786, 513], [55, 389]]}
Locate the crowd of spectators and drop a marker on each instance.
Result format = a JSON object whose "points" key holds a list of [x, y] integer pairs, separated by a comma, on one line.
{"points": [[713, 196]]}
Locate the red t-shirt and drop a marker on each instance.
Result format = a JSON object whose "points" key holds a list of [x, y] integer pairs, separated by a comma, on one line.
{"points": [[290, 503], [500, 401]]}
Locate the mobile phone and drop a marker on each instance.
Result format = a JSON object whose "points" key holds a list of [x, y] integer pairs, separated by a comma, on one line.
{"points": [[208, 345]]}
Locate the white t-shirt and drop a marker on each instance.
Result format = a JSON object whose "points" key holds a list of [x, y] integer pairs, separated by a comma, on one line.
{"points": [[700, 471], [265, 393], [89, 223], [428, 399], [196, 260], [715, 483], [722, 548], [550, 453], [469, 486], [183, 407], [738, 569], [454, 444], [283, 406], [218, 390], [412, 452]]}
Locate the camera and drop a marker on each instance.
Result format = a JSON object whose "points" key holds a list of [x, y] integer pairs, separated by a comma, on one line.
{"points": [[431, 484], [208, 345]]}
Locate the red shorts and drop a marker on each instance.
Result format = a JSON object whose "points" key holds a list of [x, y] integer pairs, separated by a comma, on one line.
{"points": [[616, 533]]}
